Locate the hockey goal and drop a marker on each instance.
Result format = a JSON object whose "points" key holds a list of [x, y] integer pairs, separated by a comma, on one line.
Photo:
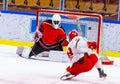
{"points": [[89, 25]]}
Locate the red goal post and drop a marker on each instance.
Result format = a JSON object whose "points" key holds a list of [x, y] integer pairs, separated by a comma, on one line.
{"points": [[80, 17]]}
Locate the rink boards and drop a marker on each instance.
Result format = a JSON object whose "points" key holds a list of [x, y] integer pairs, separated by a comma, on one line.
{"points": [[29, 44]]}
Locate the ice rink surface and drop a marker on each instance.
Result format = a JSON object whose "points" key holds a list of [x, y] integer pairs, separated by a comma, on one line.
{"points": [[17, 70]]}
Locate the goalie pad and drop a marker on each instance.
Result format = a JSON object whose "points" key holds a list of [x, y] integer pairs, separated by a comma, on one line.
{"points": [[23, 51], [58, 56], [43, 54], [55, 56]]}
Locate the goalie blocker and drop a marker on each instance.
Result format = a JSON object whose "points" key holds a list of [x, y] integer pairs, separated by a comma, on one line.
{"points": [[52, 55]]}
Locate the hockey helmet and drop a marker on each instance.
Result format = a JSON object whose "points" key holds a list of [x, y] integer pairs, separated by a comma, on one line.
{"points": [[56, 20], [72, 34]]}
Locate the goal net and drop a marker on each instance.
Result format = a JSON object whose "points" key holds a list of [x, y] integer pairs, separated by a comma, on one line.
{"points": [[89, 25]]}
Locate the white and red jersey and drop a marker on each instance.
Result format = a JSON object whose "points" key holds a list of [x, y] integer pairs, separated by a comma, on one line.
{"points": [[79, 51], [76, 49], [82, 59]]}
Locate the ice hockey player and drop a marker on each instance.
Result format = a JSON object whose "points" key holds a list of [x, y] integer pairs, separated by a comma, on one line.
{"points": [[82, 59], [49, 36]]}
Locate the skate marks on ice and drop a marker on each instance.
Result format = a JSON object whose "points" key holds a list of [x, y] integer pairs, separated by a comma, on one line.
{"points": [[45, 79], [16, 70]]}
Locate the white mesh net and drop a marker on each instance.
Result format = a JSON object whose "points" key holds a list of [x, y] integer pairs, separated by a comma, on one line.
{"points": [[88, 25]]}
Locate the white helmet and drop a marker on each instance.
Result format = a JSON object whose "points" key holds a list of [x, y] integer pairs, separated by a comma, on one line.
{"points": [[56, 20]]}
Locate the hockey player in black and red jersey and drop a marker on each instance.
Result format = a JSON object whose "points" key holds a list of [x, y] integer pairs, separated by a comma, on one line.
{"points": [[49, 36], [82, 59]]}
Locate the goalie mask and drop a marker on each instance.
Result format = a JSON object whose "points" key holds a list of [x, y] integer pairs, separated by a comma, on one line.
{"points": [[72, 34], [56, 20]]}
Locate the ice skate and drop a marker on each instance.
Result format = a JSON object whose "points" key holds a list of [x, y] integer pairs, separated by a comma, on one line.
{"points": [[101, 73], [67, 76]]}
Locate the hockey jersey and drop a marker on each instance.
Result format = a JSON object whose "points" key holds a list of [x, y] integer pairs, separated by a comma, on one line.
{"points": [[51, 37], [77, 48]]}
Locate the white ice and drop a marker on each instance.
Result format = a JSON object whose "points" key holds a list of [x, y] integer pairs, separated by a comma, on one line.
{"points": [[17, 70]]}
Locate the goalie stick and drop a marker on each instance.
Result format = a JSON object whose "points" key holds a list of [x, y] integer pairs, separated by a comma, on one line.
{"points": [[36, 58]]}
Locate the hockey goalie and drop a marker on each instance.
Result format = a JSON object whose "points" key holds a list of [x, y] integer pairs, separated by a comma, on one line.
{"points": [[82, 59], [49, 36]]}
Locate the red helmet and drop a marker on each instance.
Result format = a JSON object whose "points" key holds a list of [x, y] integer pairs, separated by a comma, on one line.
{"points": [[72, 34]]}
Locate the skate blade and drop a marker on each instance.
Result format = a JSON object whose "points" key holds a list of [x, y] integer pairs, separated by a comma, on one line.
{"points": [[65, 77]]}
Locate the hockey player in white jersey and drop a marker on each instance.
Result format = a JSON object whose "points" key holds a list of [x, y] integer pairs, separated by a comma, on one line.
{"points": [[82, 59]]}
